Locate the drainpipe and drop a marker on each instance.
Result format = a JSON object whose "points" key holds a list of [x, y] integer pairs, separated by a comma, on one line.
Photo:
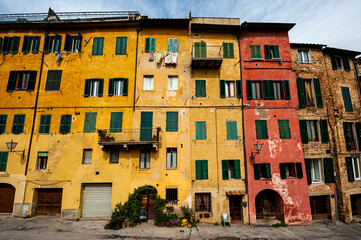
{"points": [[136, 64], [215, 122], [357, 76]]}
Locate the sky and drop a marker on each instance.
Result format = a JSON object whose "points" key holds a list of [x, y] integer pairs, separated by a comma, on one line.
{"points": [[335, 23]]}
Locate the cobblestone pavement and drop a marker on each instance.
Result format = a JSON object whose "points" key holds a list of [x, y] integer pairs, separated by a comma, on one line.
{"points": [[53, 228]]}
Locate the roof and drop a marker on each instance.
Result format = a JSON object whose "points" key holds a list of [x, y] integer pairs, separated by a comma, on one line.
{"points": [[308, 45], [164, 21], [267, 25], [341, 51]]}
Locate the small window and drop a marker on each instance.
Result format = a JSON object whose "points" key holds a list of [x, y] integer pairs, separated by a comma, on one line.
{"points": [[201, 169], [339, 62], [172, 195], [172, 122], [114, 156], [256, 51], [288, 170], [150, 45], [21, 81], [3, 161], [42, 160], [45, 121], [144, 162], [87, 156], [171, 157], [356, 168], [200, 88], [231, 169], [173, 83], [31, 44], [173, 45], [232, 130], [313, 131], [118, 87], [65, 124], [256, 90], [53, 80], [309, 92], [90, 122], [148, 83], [93, 87], [201, 130], [303, 56], [52, 44], [18, 124], [230, 92], [98, 46], [316, 173], [3, 119], [271, 51], [121, 46], [352, 135], [73, 43], [203, 202], [10, 45], [261, 129], [262, 170]]}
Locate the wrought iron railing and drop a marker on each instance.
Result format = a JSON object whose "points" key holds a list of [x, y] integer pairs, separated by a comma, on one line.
{"points": [[201, 50], [128, 135]]}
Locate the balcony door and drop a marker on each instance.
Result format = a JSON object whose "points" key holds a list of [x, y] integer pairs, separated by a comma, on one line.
{"points": [[146, 125]]}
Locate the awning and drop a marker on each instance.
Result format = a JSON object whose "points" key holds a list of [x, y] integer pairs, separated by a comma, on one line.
{"points": [[235, 192]]}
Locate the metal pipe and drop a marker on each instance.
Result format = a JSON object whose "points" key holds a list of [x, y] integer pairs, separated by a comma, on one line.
{"points": [[136, 65]]}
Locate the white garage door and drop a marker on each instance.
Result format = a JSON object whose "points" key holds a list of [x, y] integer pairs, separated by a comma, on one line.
{"points": [[97, 200]]}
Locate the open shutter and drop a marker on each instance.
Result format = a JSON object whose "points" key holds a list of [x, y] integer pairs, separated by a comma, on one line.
{"points": [[26, 44], [170, 44], [346, 131], [316, 83], [1, 41], [147, 45], [203, 50], [346, 63], [301, 92], [111, 87], [333, 62], [3, 161], [286, 85], [237, 169], [67, 45], [299, 170], [15, 45], [125, 86], [231, 50], [197, 49], [225, 169], [324, 131], [198, 170], [87, 88], [283, 170], [204, 169], [222, 88], [303, 131], [257, 171], [79, 40], [350, 175], [271, 93], [239, 88], [266, 91], [100, 90], [268, 170], [47, 44], [276, 51], [308, 170], [328, 170], [267, 51], [249, 89], [225, 50], [31, 82], [12, 81], [57, 43], [347, 99], [36, 44], [358, 134]]}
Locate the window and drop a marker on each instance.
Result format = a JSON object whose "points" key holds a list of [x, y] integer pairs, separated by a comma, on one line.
{"points": [[268, 90], [89, 122], [65, 124], [10, 45], [347, 99], [42, 160], [256, 51], [201, 130], [261, 129], [356, 168], [171, 194], [310, 131], [118, 87], [173, 45], [304, 56], [353, 168], [200, 50], [87, 156], [228, 89], [116, 121], [53, 80], [18, 124], [3, 119], [232, 130], [309, 92], [200, 88], [256, 90], [172, 82], [21, 81], [340, 62], [228, 51], [262, 170], [3, 161], [316, 174], [144, 162], [114, 156], [203, 202], [201, 169], [150, 45], [277, 89], [148, 83], [121, 46], [314, 168], [231, 169], [45, 121], [271, 51], [171, 157], [31, 44], [352, 132], [284, 127], [98, 46], [291, 170], [93, 87], [73, 43], [52, 44], [172, 122]]}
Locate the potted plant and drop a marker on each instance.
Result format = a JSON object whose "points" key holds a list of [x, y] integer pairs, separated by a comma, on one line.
{"points": [[154, 137]]}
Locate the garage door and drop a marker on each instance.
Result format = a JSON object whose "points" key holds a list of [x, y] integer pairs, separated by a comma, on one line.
{"points": [[97, 200], [49, 201], [7, 194]]}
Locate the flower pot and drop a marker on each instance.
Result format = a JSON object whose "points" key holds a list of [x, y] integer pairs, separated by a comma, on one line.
{"points": [[189, 225]]}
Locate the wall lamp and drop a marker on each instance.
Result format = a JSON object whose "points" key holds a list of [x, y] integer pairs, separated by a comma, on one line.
{"points": [[12, 145], [258, 146]]}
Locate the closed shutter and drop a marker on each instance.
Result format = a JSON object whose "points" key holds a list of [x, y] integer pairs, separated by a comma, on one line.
{"points": [[97, 200], [347, 134], [301, 92], [267, 51], [45, 124], [172, 122], [299, 170], [201, 130], [232, 131], [90, 122], [98, 46], [53, 80], [18, 124], [346, 63], [203, 50], [197, 49], [36, 45], [287, 93], [87, 88], [316, 83], [3, 161], [200, 88], [121, 46], [347, 99], [100, 89], [239, 88], [333, 62], [228, 50], [256, 51], [1, 41], [261, 129], [204, 169], [324, 131], [199, 170], [47, 44], [31, 82], [266, 91], [328, 170], [65, 124], [358, 134], [308, 170], [268, 170], [67, 45], [15, 45], [284, 128], [257, 171], [283, 170], [146, 125], [79, 41], [225, 169], [350, 175], [116, 121], [222, 88], [125, 86], [3, 119], [303, 131], [26, 44], [237, 169], [249, 89], [147, 45], [111, 87], [152, 45], [12, 81], [276, 51]]}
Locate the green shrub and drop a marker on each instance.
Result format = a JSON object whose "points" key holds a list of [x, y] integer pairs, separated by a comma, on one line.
{"points": [[282, 224], [188, 213]]}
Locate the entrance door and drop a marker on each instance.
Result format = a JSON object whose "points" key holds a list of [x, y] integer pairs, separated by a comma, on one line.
{"points": [[49, 201], [146, 125], [269, 204], [7, 194], [235, 207], [147, 202], [356, 204]]}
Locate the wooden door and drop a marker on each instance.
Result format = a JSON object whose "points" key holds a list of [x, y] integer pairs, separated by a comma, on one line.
{"points": [[147, 202], [7, 194], [235, 207], [49, 201]]}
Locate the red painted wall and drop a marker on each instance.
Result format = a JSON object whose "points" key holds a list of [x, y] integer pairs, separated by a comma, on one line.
{"points": [[294, 191]]}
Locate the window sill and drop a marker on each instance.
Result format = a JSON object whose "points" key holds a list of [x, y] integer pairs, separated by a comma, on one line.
{"points": [[41, 170], [144, 169], [171, 168], [256, 59], [317, 183]]}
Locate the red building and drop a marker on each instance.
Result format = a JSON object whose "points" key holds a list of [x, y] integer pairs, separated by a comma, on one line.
{"points": [[277, 182]]}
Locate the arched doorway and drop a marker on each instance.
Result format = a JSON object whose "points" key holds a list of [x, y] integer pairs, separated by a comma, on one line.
{"points": [[269, 205], [147, 200], [7, 195]]}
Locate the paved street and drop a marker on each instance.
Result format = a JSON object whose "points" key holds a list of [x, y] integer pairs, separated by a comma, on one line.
{"points": [[53, 228]]}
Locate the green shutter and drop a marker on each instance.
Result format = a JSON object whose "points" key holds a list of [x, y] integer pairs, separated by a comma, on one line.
{"points": [[15, 45], [152, 44], [347, 99], [347, 134], [261, 129], [266, 91], [316, 83], [225, 169], [257, 171], [276, 51], [100, 89], [222, 88], [333, 62], [18, 124], [358, 134], [3, 161], [324, 131], [299, 170], [53, 80], [268, 170], [350, 175], [121, 46], [303, 131], [47, 44], [301, 92], [225, 50], [1, 41], [203, 50], [87, 88], [200, 88], [346, 63], [232, 131], [65, 124], [237, 169], [239, 88], [26, 44], [118, 46], [201, 130], [271, 93], [328, 170], [283, 170], [79, 40], [98, 46], [256, 51], [308, 170], [90, 122], [111, 87], [146, 125], [67, 44], [12, 81], [147, 45], [249, 89], [197, 50], [31, 82], [36, 44], [172, 122], [57, 43], [44, 126], [3, 119], [287, 89], [199, 170], [231, 50], [116, 121], [204, 169], [7, 45], [267, 52], [284, 128]]}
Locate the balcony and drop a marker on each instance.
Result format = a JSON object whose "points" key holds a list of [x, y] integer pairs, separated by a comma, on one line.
{"points": [[204, 56], [141, 137]]}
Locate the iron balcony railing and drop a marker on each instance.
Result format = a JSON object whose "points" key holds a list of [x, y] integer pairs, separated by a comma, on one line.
{"points": [[121, 136], [203, 51]]}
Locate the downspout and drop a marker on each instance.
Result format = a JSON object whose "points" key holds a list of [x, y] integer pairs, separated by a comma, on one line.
{"points": [[136, 64], [357, 77], [215, 122]]}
